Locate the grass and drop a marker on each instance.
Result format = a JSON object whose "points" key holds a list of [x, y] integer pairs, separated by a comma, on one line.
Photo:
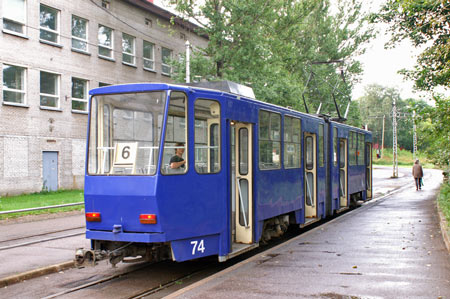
{"points": [[405, 158], [41, 199], [444, 201]]}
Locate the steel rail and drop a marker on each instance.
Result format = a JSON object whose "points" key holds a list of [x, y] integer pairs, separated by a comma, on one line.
{"points": [[42, 208]]}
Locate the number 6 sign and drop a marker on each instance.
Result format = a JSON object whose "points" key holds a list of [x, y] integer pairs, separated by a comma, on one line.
{"points": [[125, 154]]}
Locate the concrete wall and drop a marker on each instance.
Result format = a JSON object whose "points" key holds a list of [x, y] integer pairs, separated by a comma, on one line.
{"points": [[28, 130]]}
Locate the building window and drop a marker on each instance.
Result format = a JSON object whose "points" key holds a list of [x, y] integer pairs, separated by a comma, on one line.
{"points": [[79, 94], [14, 15], [49, 24], [166, 57], [128, 49], [148, 22], [292, 142], [14, 84], [79, 34], [105, 4], [49, 91], [269, 140], [149, 56], [105, 42]]}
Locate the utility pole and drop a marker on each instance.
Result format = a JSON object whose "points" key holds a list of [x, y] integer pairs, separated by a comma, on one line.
{"points": [[382, 137], [394, 141], [414, 136]]}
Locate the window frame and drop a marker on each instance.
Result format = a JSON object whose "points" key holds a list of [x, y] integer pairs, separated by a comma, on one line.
{"points": [[270, 138], [132, 55], [163, 64], [219, 139], [82, 100], [299, 142], [21, 91], [58, 26], [58, 96], [152, 60], [11, 20], [110, 48], [73, 37]]}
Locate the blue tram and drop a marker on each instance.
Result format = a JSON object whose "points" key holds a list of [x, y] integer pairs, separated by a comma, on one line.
{"points": [[245, 171]]}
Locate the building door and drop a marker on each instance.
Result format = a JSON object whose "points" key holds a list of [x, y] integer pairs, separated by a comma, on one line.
{"points": [[243, 199], [343, 161], [50, 171], [310, 176]]}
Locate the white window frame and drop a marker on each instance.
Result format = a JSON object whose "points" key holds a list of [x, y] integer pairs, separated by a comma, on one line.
{"points": [[164, 64], [133, 55], [24, 91], [58, 96], [149, 59], [24, 23], [58, 26], [79, 38], [111, 48], [83, 100]]}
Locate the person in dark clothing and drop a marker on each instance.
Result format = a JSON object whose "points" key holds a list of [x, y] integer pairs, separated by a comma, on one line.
{"points": [[417, 173], [177, 161]]}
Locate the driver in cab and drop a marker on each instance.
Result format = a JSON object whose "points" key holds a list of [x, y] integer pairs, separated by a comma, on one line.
{"points": [[177, 161]]}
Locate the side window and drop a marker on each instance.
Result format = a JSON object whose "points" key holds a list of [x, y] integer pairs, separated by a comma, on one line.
{"points": [[292, 142], [309, 150], [335, 145], [352, 150], [321, 150], [361, 149], [207, 136], [175, 145], [269, 140]]}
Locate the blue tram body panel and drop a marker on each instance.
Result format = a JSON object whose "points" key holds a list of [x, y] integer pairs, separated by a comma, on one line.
{"points": [[193, 211]]}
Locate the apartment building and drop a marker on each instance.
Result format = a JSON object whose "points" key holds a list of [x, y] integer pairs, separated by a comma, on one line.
{"points": [[51, 53]]}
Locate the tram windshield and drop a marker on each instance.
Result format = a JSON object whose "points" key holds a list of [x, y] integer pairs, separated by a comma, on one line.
{"points": [[125, 133]]}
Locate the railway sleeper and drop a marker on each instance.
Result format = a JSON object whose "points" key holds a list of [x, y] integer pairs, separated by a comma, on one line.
{"points": [[124, 252]]}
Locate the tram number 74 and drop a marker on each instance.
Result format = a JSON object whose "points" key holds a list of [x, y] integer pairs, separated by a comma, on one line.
{"points": [[198, 246]]}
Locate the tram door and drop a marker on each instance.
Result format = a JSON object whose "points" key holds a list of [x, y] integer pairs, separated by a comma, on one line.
{"points": [[369, 170], [343, 169], [310, 176], [242, 199]]}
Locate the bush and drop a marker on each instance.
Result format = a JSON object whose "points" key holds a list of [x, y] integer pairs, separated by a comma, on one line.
{"points": [[444, 201]]}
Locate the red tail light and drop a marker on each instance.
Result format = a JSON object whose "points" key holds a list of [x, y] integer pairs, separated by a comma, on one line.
{"points": [[93, 217], [147, 218]]}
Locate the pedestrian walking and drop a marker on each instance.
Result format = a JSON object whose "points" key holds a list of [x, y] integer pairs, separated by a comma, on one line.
{"points": [[417, 173]]}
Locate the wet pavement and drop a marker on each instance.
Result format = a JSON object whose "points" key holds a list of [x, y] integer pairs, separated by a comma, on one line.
{"points": [[388, 248]]}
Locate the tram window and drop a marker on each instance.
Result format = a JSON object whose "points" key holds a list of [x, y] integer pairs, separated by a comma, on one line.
{"points": [[368, 153], [360, 149], [352, 150], [335, 146], [309, 153], [269, 140], [243, 151], [124, 135], [175, 146], [207, 136], [292, 145], [342, 150], [321, 149]]}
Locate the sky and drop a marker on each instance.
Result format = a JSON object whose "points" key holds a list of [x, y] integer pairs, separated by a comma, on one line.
{"points": [[381, 65]]}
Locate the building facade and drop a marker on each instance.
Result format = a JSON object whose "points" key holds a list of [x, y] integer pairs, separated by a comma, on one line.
{"points": [[51, 53]]}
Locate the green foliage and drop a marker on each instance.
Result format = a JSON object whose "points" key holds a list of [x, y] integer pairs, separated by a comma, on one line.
{"points": [[425, 22], [378, 102], [444, 201], [272, 46]]}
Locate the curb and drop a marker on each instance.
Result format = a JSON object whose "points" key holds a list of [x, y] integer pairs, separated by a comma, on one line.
{"points": [[4, 282], [444, 227]]}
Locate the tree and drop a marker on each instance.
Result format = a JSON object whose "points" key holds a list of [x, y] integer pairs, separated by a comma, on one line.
{"points": [[272, 45], [424, 22]]}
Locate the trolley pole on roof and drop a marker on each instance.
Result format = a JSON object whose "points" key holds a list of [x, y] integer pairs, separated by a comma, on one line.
{"points": [[394, 141], [188, 62]]}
